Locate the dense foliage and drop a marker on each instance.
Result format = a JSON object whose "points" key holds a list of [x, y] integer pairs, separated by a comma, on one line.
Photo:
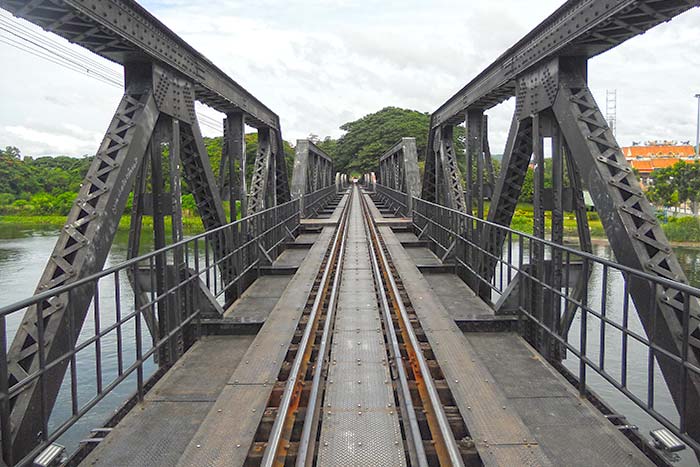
{"points": [[45, 185], [367, 138], [49, 185], [675, 185]]}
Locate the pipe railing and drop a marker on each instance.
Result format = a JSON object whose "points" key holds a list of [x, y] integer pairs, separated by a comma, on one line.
{"points": [[115, 354], [399, 201], [605, 340], [315, 201]]}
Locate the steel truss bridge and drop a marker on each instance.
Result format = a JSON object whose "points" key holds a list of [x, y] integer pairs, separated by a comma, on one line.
{"points": [[396, 321]]}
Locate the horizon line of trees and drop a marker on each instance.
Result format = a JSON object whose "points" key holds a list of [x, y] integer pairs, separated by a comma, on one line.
{"points": [[676, 185], [49, 185]]}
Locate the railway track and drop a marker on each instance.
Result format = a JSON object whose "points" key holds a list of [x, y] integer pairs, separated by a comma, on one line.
{"points": [[360, 384]]}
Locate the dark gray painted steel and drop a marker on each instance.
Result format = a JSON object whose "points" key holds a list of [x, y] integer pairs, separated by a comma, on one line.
{"points": [[581, 28], [313, 170], [123, 31], [80, 250], [635, 235]]}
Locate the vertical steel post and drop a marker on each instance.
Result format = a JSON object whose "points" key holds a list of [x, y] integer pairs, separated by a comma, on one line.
{"points": [[697, 129]]}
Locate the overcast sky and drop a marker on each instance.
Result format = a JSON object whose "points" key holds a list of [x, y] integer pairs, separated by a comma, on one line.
{"points": [[319, 64]]}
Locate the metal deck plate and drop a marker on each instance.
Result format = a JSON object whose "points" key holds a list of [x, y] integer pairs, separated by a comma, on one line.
{"points": [[497, 382], [360, 425], [365, 346], [370, 439], [358, 388], [348, 318]]}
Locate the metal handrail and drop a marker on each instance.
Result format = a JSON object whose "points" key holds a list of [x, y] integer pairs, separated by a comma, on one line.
{"points": [[641, 274], [130, 262], [316, 200], [446, 228], [395, 198], [179, 308]]}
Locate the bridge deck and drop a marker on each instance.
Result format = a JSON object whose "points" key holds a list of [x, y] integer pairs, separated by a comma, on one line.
{"points": [[518, 409], [360, 422]]}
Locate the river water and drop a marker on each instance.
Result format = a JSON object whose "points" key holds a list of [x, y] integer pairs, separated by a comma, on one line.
{"points": [[24, 252]]}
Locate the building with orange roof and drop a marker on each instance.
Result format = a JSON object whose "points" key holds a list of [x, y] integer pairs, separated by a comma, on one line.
{"points": [[648, 158]]}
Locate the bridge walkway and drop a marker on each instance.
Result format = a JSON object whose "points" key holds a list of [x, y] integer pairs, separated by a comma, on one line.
{"points": [[518, 409], [512, 400]]}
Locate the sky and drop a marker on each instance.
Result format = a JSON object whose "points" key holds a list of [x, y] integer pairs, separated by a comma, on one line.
{"points": [[319, 64]]}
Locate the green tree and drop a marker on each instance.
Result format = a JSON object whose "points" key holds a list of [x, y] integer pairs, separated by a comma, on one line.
{"points": [[367, 138], [675, 185]]}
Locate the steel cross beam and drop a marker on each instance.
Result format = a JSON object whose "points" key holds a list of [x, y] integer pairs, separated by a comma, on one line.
{"points": [[581, 28], [49, 330], [399, 166], [313, 169], [123, 31]]}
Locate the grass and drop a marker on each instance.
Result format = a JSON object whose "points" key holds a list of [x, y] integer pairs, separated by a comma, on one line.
{"points": [[191, 224], [678, 229]]}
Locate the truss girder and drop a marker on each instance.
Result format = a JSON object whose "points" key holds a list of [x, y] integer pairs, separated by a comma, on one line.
{"points": [[429, 188], [232, 176], [398, 168], [313, 169], [261, 173], [442, 178], [120, 30], [505, 198], [582, 28], [634, 233], [80, 250]]}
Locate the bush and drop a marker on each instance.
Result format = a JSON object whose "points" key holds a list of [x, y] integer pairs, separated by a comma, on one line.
{"points": [[683, 229]]}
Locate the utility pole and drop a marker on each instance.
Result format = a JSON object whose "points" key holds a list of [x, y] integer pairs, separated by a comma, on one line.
{"points": [[697, 130], [611, 110]]}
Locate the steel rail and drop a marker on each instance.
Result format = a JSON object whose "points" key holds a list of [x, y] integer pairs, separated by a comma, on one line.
{"points": [[304, 454], [275, 452], [406, 400], [446, 446]]}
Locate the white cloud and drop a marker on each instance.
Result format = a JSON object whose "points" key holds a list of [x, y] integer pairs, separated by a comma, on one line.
{"points": [[319, 64]]}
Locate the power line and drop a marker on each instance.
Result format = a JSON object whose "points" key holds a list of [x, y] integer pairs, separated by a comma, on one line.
{"points": [[46, 47], [51, 41]]}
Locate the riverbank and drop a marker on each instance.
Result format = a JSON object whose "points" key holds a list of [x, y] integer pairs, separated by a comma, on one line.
{"points": [[681, 231], [191, 224]]}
